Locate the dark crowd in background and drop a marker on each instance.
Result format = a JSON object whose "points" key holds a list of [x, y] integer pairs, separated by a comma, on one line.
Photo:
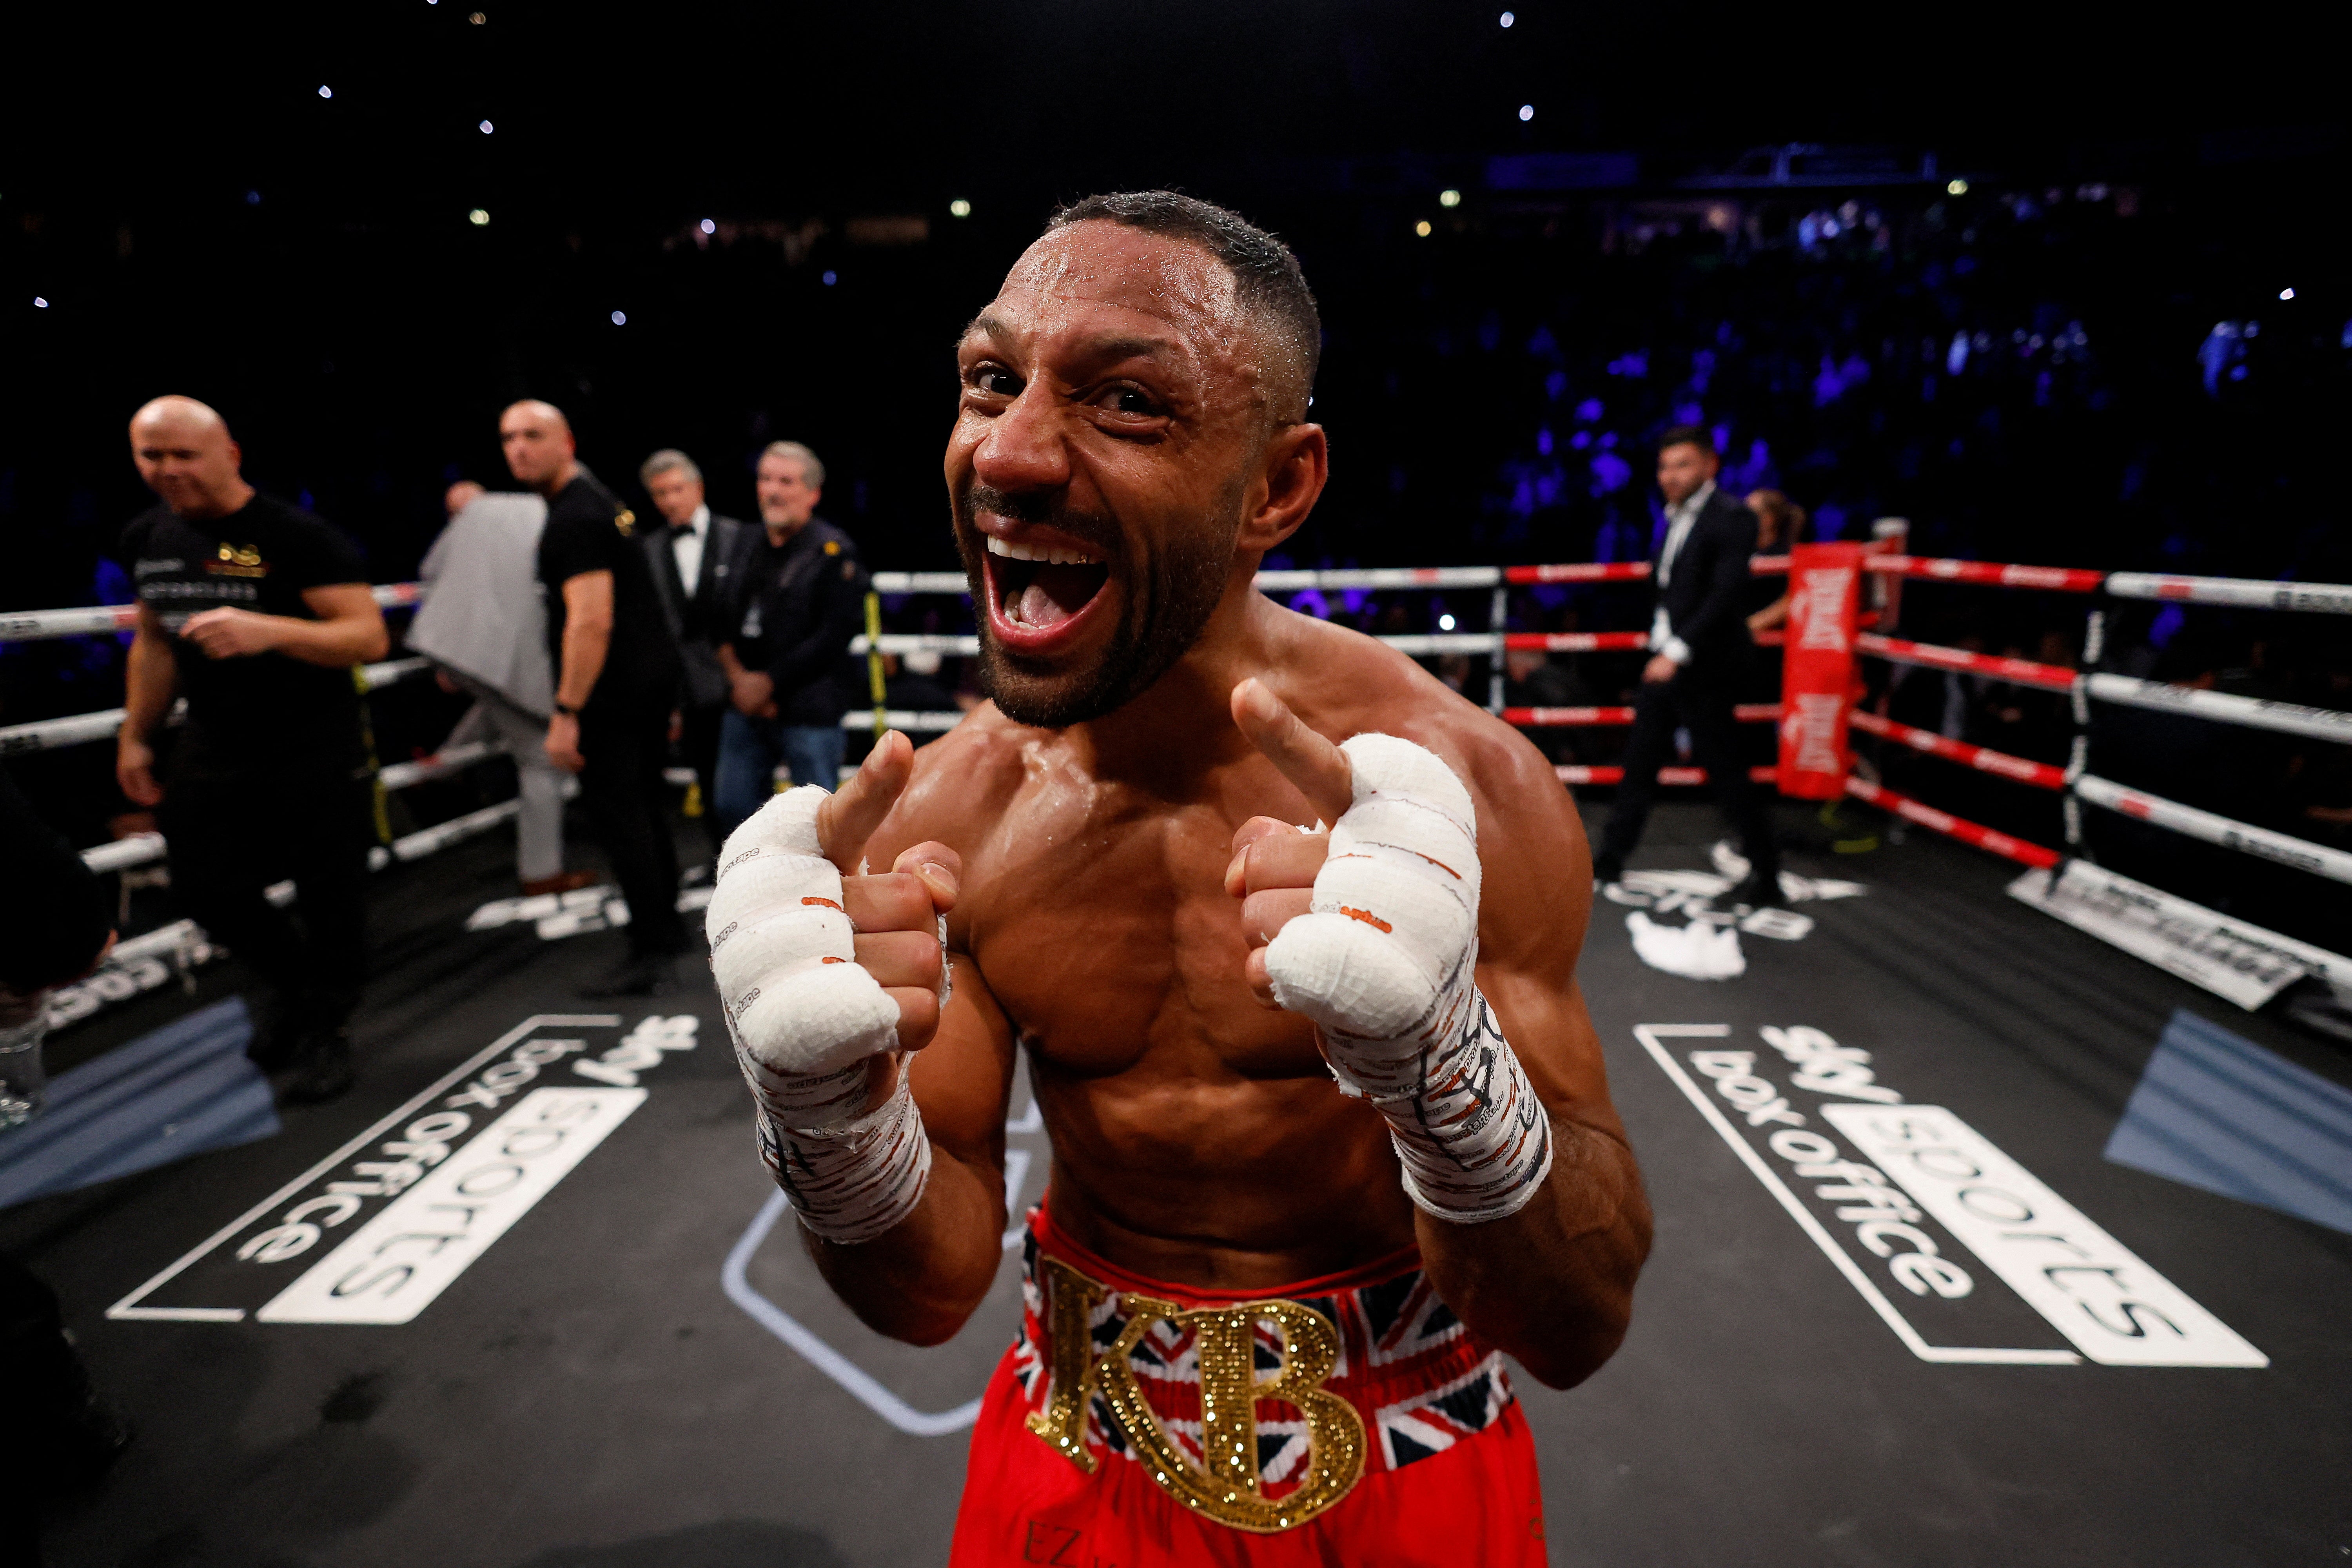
{"points": [[2128, 359]]}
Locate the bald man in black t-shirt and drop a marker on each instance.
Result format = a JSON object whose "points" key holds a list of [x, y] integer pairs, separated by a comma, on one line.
{"points": [[617, 671], [255, 611]]}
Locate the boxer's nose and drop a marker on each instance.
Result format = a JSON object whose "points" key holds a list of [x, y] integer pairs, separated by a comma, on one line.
{"points": [[1024, 449]]}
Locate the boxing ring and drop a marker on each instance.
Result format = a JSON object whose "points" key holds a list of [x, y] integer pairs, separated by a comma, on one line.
{"points": [[646, 1367], [2244, 961]]}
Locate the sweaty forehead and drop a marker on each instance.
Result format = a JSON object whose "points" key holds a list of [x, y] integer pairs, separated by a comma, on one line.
{"points": [[1108, 282]]}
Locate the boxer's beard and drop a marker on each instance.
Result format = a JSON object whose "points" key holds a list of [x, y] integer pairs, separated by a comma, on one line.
{"points": [[1162, 608]]}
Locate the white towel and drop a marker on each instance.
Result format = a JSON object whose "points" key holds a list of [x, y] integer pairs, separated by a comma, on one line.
{"points": [[1696, 951]]}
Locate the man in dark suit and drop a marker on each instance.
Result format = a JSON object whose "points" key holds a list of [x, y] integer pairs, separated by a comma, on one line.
{"points": [[792, 608], [694, 556], [1700, 652]]}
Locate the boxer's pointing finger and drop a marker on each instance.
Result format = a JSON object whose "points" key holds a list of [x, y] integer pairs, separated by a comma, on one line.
{"points": [[1316, 768], [847, 818]]}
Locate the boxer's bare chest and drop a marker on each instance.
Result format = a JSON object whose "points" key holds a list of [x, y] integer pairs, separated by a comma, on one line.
{"points": [[1097, 916], [1178, 1107]]}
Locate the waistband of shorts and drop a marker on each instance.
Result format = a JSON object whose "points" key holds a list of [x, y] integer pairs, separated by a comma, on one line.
{"points": [[1056, 1242]]}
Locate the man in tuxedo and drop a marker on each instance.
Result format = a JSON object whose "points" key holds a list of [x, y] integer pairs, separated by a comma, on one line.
{"points": [[1700, 650], [693, 554]]}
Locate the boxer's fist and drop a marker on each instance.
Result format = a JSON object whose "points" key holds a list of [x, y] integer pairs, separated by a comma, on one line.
{"points": [[1368, 930], [818, 970]]}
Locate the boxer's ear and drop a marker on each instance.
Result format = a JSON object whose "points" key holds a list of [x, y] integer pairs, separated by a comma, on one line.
{"points": [[1315, 767], [847, 819]]}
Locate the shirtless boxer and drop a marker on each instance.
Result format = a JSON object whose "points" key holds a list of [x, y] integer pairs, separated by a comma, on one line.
{"points": [[1328, 1114]]}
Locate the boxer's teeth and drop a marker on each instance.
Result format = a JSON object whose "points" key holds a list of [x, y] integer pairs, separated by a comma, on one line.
{"points": [[1011, 551]]}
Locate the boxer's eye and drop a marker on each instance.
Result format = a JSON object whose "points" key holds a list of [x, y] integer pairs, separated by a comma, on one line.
{"points": [[1129, 401], [992, 380]]}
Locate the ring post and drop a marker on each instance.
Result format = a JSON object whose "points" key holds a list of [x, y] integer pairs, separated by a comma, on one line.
{"points": [[876, 688], [1817, 669]]}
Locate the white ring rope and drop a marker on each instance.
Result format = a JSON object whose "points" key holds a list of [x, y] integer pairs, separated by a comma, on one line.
{"points": [[2263, 843], [2289, 718], [2246, 593]]}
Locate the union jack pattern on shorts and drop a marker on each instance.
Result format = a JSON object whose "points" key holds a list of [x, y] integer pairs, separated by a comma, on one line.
{"points": [[1414, 1373]]}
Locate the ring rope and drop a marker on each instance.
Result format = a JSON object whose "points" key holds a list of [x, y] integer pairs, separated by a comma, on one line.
{"points": [[2291, 718]]}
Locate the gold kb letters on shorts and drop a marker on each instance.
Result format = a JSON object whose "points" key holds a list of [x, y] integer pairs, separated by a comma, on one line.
{"points": [[1228, 1490]]}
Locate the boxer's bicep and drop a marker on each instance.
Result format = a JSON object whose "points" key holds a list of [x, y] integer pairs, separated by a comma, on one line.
{"points": [[1538, 899]]}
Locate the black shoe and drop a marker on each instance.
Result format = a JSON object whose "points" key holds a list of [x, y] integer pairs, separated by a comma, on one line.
{"points": [[323, 1069], [276, 1035], [1760, 890], [649, 974]]}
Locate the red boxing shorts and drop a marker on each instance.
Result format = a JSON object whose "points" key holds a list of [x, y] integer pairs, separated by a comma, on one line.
{"points": [[1346, 1419]]}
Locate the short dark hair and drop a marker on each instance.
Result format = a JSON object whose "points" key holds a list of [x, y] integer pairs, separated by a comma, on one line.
{"points": [[1266, 277], [1687, 436]]}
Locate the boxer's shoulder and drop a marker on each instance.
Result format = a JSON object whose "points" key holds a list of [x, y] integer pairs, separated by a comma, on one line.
{"points": [[963, 781], [1351, 684]]}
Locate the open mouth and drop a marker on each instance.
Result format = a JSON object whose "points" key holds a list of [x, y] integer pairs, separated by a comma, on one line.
{"points": [[1038, 591]]}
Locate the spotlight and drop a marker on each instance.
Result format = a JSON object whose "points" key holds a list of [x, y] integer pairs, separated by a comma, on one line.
{"points": [[1527, 112], [830, 279], [1508, 18], [1422, 228], [477, 218], [39, 303], [619, 318], [326, 92], [253, 198], [1445, 623], [1957, 187], [1449, 198], [478, 18], [709, 227], [2286, 293], [485, 128], [960, 207]]}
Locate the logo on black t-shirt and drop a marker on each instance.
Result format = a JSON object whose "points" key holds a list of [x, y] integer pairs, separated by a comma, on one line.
{"points": [[626, 521], [238, 561]]}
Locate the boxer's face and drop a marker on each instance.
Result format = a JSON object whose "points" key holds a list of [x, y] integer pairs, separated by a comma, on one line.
{"points": [[1110, 416]]}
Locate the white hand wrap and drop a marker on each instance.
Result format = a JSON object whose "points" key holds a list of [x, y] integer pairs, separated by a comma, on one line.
{"points": [[1384, 962], [806, 1018], [851, 1183]]}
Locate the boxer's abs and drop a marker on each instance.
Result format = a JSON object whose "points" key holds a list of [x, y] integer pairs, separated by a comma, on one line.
{"points": [[1234, 1187]]}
